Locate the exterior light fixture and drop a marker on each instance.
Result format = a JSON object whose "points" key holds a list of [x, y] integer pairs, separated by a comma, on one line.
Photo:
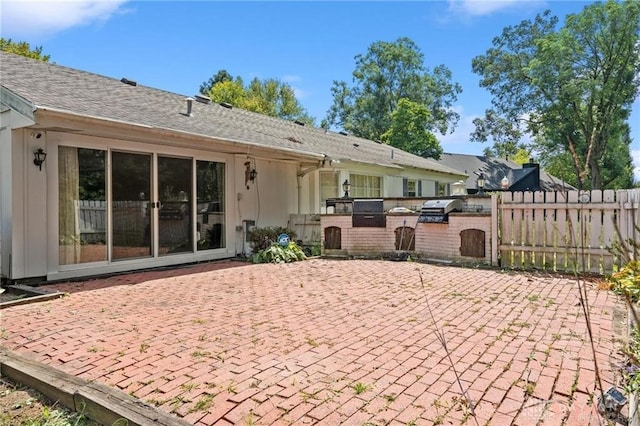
{"points": [[345, 187], [481, 183], [38, 158], [505, 182]]}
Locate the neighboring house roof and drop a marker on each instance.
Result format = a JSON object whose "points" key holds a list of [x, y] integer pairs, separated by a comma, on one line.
{"points": [[47, 86], [521, 178]]}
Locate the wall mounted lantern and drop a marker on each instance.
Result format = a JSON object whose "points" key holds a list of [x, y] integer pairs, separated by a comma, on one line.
{"points": [[505, 182], [38, 157], [345, 187], [250, 173], [481, 183]]}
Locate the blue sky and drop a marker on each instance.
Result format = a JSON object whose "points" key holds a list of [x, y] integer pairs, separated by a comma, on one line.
{"points": [[175, 46]]}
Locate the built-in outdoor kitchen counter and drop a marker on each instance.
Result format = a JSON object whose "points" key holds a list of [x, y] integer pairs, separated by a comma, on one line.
{"points": [[453, 229]]}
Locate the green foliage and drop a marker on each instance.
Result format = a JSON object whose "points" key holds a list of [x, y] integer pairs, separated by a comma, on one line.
{"points": [[220, 77], [22, 48], [627, 280], [387, 73], [270, 96], [632, 372], [571, 88], [409, 132], [262, 238], [278, 254]]}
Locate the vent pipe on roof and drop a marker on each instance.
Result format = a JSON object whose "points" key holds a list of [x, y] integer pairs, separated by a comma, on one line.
{"points": [[226, 105], [189, 107], [129, 82]]}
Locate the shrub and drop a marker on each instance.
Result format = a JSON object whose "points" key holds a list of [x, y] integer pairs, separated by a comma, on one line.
{"points": [[627, 280], [263, 238], [278, 254]]}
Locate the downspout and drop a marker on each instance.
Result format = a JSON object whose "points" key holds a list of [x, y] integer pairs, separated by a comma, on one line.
{"points": [[299, 180]]}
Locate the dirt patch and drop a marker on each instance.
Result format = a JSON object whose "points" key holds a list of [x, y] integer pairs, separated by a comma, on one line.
{"points": [[24, 406]]}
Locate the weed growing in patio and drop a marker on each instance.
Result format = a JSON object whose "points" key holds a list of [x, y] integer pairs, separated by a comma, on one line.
{"points": [[360, 388], [200, 354], [311, 342], [189, 386], [204, 403]]}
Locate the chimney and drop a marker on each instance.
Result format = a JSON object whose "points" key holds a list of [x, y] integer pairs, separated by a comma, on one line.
{"points": [[536, 173]]}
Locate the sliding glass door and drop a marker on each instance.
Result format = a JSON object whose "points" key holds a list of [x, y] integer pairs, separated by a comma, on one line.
{"points": [[137, 205], [132, 224], [175, 214]]}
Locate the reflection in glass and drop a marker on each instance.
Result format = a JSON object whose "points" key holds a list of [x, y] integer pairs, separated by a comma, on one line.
{"points": [[175, 196], [81, 205], [210, 207], [131, 186]]}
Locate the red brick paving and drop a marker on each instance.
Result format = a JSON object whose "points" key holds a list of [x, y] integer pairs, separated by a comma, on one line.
{"points": [[291, 344]]}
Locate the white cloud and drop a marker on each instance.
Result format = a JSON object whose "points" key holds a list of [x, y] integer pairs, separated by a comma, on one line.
{"points": [[291, 78], [485, 7], [459, 142], [635, 154], [27, 18]]}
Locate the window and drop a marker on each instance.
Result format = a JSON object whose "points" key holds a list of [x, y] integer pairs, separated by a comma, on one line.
{"points": [[410, 188], [329, 187], [443, 189], [364, 186], [82, 206]]}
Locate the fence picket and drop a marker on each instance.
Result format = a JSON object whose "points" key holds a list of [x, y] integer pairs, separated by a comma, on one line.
{"points": [[565, 231], [540, 241]]}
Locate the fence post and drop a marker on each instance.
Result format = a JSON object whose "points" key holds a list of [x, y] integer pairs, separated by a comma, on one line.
{"points": [[495, 242]]}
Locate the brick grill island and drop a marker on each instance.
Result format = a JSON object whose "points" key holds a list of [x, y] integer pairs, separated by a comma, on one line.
{"points": [[464, 238]]}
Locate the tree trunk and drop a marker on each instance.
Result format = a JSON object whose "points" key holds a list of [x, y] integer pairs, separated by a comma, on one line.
{"points": [[596, 178]]}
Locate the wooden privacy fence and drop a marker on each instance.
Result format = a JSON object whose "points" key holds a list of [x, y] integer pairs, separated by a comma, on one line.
{"points": [[565, 231]]}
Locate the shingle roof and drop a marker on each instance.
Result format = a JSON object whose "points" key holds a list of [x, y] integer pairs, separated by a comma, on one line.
{"points": [[51, 86], [495, 169]]}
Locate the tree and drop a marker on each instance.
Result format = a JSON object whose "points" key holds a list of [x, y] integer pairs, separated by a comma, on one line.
{"points": [[23, 48], [571, 89], [221, 76], [616, 164], [270, 97], [387, 73], [408, 132]]}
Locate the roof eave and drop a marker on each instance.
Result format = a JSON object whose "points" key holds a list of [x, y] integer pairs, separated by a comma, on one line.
{"points": [[18, 104], [168, 131]]}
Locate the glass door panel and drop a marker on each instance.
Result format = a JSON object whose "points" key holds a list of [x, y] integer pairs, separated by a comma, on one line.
{"points": [[82, 205], [175, 217], [210, 208], [131, 205]]}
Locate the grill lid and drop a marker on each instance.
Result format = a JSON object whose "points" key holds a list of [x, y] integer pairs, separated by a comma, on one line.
{"points": [[441, 206]]}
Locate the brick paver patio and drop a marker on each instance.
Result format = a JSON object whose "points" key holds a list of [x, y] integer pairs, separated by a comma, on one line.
{"points": [[333, 342]]}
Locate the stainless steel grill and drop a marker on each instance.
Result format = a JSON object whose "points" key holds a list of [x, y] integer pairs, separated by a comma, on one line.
{"points": [[437, 211]]}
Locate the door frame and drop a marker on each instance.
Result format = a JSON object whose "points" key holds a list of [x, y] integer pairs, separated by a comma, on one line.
{"points": [[57, 271]]}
